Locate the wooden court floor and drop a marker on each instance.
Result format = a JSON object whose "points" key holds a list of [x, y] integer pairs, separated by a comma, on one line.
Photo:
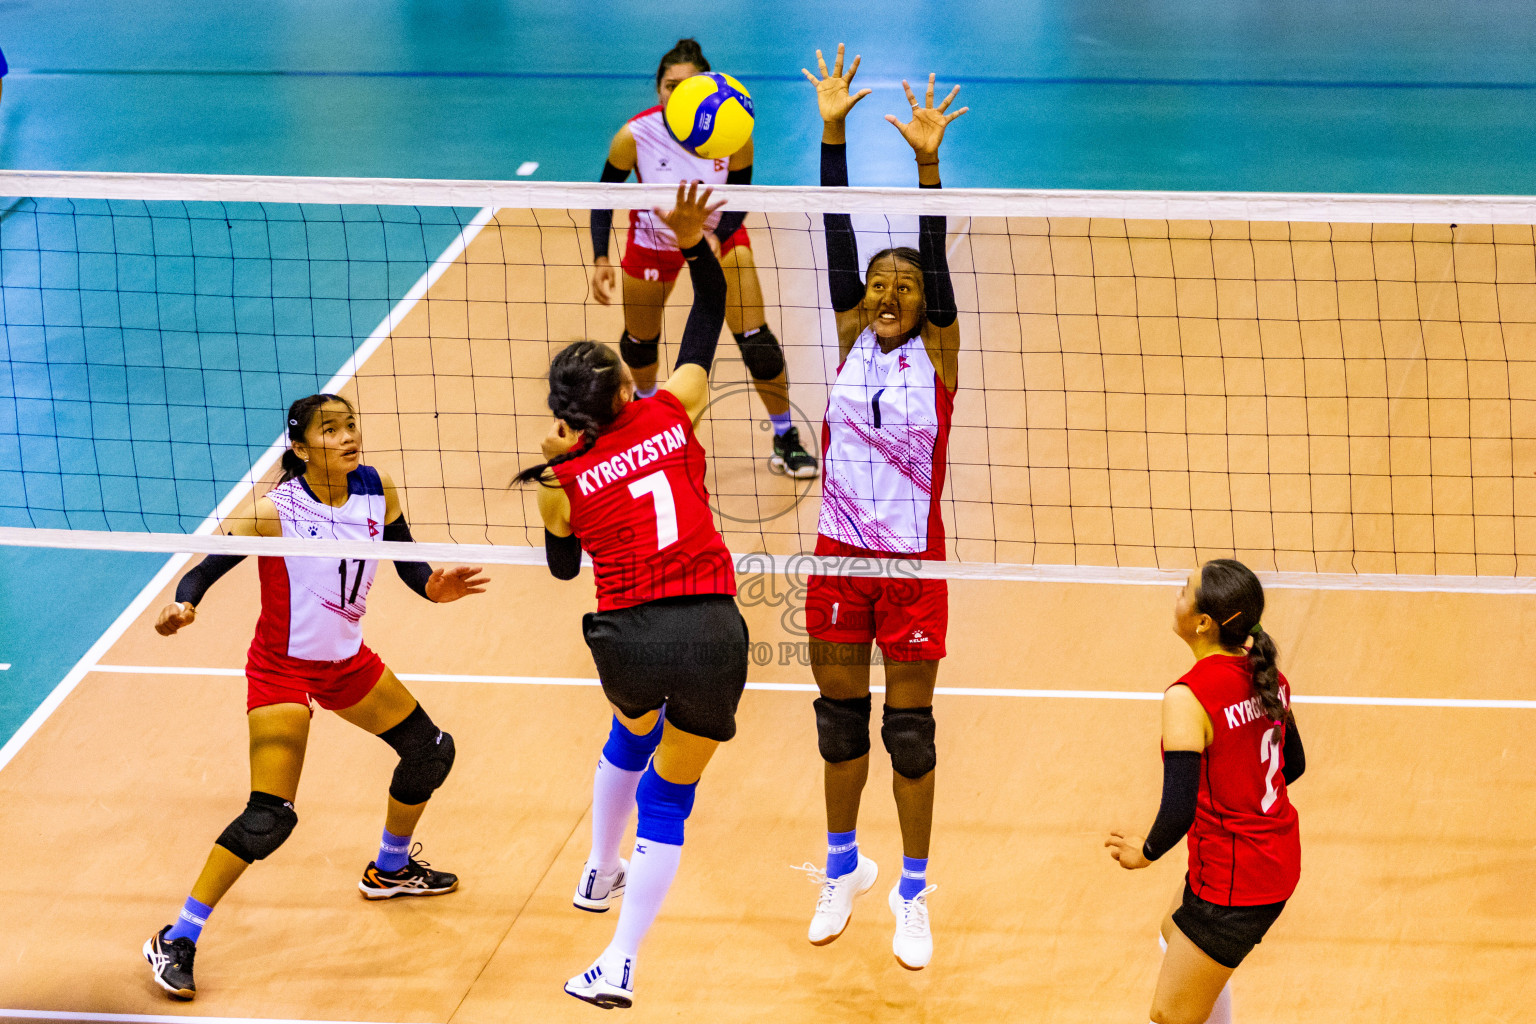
{"points": [[1415, 902]]}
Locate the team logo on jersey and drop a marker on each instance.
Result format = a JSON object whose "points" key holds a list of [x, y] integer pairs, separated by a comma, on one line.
{"points": [[901, 362], [314, 531], [373, 528]]}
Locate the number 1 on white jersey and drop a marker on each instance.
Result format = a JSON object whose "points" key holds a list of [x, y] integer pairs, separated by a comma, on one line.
{"points": [[660, 490]]}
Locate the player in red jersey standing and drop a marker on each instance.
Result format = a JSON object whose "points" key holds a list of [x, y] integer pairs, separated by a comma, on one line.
{"points": [[309, 649], [651, 260], [1230, 748], [625, 480]]}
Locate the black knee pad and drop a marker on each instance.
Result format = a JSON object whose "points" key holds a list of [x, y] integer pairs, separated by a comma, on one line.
{"points": [[426, 757], [908, 736], [762, 353], [842, 728], [638, 353], [264, 825]]}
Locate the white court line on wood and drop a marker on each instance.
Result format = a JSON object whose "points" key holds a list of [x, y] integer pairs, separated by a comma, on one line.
{"points": [[942, 691], [154, 1018], [120, 625]]}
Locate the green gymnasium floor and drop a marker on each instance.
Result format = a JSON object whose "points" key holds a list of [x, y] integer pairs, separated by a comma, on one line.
{"points": [[1305, 95]]}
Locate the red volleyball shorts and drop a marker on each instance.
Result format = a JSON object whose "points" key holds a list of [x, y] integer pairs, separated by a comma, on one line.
{"points": [[274, 678], [907, 617], [665, 264]]}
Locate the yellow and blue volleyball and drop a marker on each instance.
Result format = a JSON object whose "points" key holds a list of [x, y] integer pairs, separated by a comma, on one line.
{"points": [[710, 115]]}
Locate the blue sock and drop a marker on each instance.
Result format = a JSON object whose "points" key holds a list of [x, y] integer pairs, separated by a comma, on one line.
{"points": [[914, 876], [842, 852], [189, 924], [394, 851], [781, 422]]}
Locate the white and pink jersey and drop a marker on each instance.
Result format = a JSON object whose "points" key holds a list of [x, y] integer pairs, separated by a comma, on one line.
{"points": [[312, 608], [883, 448], [661, 159]]}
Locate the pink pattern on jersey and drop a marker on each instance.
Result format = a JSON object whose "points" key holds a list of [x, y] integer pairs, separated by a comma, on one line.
{"points": [[883, 441], [844, 507], [908, 451]]}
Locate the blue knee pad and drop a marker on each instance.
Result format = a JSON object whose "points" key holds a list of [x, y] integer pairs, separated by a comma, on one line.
{"points": [[663, 807], [630, 752]]}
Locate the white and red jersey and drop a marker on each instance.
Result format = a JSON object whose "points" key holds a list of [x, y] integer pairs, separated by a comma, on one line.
{"points": [[640, 508], [312, 608], [884, 443], [1245, 846], [660, 159]]}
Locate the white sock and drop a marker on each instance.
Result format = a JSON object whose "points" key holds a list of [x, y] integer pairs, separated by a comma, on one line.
{"points": [[649, 392], [651, 870], [1221, 1013], [613, 798]]}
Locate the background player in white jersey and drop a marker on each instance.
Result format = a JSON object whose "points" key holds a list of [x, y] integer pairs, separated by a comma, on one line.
{"points": [[309, 647], [652, 260], [884, 445]]}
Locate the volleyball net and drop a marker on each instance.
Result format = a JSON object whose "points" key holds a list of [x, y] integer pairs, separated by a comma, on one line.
{"points": [[1337, 385]]}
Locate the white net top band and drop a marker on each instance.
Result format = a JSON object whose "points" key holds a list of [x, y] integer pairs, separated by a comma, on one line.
{"points": [[966, 202]]}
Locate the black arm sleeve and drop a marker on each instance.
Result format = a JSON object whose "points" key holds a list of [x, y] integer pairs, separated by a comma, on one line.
{"points": [[1293, 758], [731, 220], [843, 280], [563, 555], [1181, 790], [415, 574], [602, 220], [204, 575], [937, 287], [702, 332]]}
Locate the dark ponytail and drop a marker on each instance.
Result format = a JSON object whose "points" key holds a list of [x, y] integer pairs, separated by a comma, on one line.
{"points": [[1232, 596], [584, 385], [300, 415], [686, 51]]}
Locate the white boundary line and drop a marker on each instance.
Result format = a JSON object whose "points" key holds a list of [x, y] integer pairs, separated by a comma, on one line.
{"points": [[153, 1018], [974, 202], [120, 625], [942, 691], [748, 564]]}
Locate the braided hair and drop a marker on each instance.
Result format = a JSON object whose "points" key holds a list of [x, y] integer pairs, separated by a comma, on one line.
{"points": [[584, 385], [1233, 597], [300, 415]]}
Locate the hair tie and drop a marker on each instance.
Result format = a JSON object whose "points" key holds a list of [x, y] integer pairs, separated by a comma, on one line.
{"points": [[1229, 618], [1258, 627], [293, 423]]}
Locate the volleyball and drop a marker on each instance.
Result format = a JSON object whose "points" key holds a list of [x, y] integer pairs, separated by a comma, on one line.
{"points": [[710, 115]]}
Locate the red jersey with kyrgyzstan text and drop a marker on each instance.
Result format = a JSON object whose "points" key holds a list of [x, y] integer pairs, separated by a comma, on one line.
{"points": [[640, 508], [1245, 846]]}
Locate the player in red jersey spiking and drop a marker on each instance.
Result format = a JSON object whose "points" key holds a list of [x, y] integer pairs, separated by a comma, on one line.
{"points": [[625, 480]]}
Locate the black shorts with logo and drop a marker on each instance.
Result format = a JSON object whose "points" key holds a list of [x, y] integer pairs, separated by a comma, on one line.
{"points": [[689, 653]]}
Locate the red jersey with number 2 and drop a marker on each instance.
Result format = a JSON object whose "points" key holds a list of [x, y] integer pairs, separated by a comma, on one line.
{"points": [[640, 508], [1245, 847]]}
